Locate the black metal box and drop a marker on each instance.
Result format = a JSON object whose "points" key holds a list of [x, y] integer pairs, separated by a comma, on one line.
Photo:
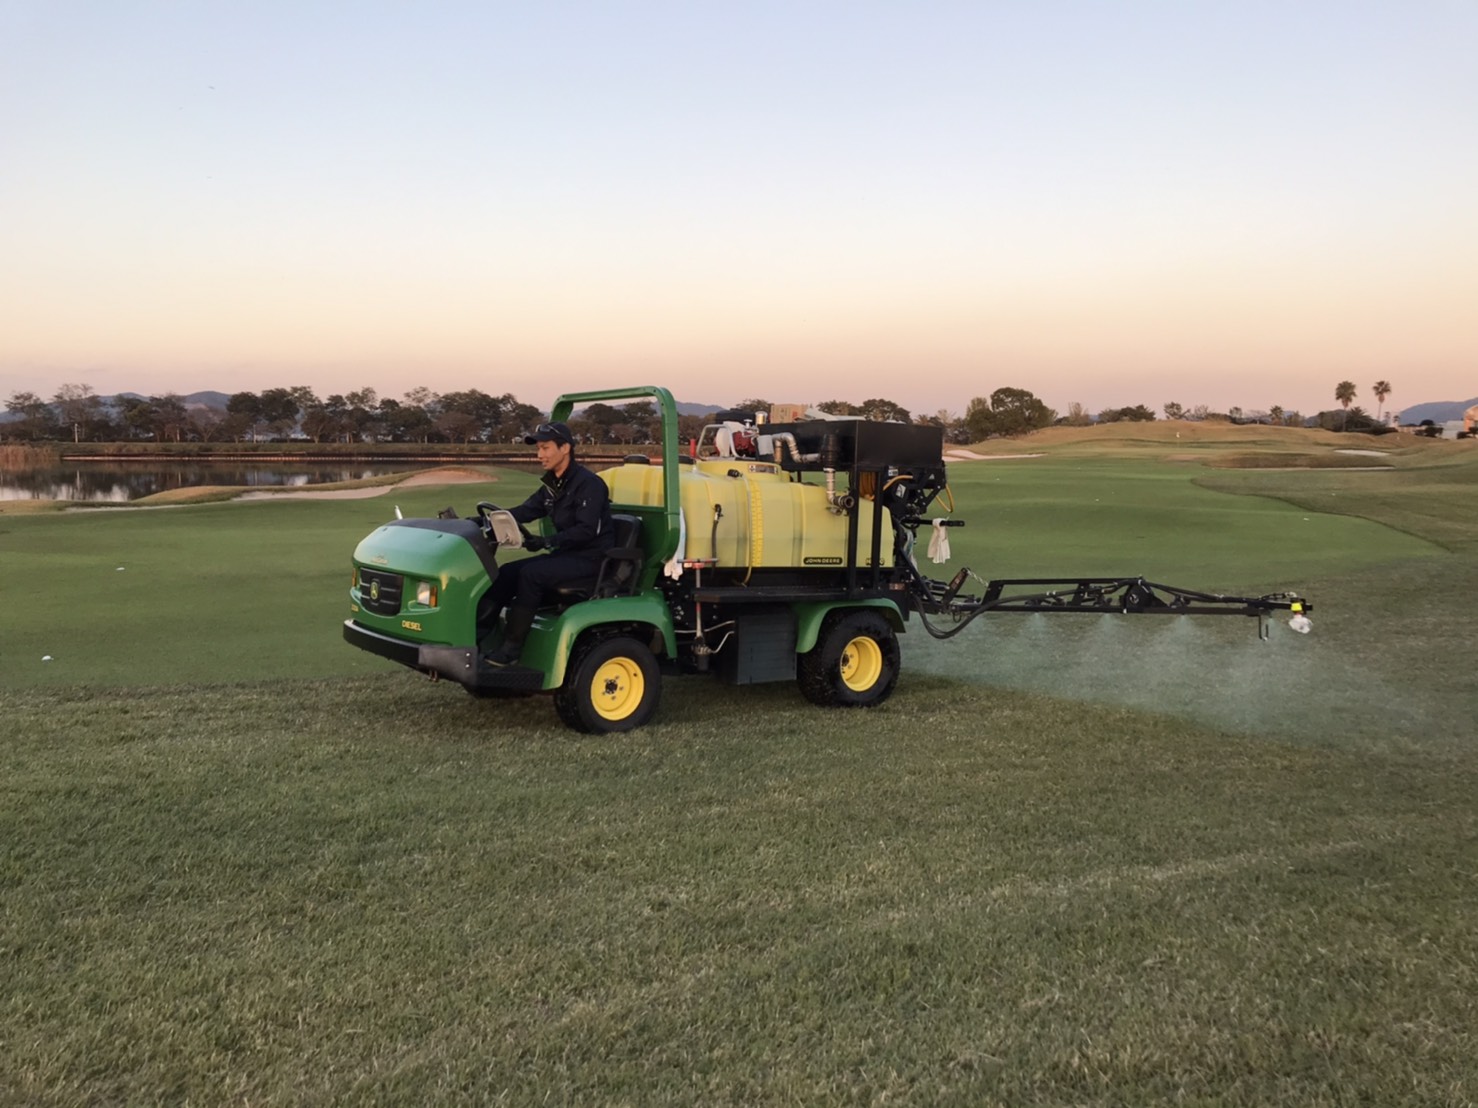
{"points": [[867, 444], [761, 649]]}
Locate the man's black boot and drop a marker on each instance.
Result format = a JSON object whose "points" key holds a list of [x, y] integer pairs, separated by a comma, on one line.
{"points": [[516, 624]]}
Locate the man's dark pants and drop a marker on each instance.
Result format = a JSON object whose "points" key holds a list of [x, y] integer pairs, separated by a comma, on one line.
{"points": [[528, 582]]}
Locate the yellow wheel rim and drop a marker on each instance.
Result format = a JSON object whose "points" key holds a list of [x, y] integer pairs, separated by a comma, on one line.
{"points": [[617, 689], [862, 663]]}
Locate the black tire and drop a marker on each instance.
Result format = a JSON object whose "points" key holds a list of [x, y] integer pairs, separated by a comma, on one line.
{"points": [[854, 663], [612, 684]]}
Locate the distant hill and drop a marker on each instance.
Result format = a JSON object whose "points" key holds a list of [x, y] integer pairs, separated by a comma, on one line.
{"points": [[1438, 411], [207, 398]]}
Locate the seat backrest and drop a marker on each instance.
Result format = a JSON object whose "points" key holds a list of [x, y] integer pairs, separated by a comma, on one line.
{"points": [[627, 528], [620, 570]]}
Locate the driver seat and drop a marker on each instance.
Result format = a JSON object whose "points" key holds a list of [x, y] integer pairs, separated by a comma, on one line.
{"points": [[620, 569]]}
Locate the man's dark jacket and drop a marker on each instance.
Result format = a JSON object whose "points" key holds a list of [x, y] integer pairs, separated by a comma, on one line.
{"points": [[579, 506]]}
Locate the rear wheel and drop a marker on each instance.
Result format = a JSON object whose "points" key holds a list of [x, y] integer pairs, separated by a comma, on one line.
{"points": [[854, 663], [611, 685]]}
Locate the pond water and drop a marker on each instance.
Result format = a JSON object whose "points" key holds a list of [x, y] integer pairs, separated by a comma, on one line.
{"points": [[118, 482]]}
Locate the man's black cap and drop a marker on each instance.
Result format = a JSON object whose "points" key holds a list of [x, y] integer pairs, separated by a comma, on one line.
{"points": [[550, 432]]}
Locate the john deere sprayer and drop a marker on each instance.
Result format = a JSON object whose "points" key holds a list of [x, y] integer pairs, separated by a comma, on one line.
{"points": [[774, 551]]}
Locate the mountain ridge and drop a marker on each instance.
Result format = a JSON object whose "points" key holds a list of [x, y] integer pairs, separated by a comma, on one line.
{"points": [[1438, 411]]}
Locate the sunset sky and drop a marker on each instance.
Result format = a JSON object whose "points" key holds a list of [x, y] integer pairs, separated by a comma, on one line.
{"points": [[1109, 203]]}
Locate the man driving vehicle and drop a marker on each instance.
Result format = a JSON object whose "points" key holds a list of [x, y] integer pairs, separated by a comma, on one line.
{"points": [[578, 505]]}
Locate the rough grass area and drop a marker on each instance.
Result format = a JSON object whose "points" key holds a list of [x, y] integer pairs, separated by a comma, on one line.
{"points": [[24, 457], [380, 890]]}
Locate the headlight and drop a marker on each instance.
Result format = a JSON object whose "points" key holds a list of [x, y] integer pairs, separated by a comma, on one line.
{"points": [[426, 594]]}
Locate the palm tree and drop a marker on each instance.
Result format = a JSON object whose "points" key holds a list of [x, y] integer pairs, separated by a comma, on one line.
{"points": [[1382, 389], [1344, 392]]}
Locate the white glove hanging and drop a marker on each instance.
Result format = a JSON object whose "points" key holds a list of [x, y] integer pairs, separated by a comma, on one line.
{"points": [[939, 543], [674, 566]]}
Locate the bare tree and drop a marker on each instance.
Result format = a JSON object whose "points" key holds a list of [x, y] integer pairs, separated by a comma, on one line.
{"points": [[36, 420], [170, 417], [79, 406], [205, 423]]}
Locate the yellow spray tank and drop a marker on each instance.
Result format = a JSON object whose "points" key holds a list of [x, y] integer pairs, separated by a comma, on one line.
{"points": [[743, 513]]}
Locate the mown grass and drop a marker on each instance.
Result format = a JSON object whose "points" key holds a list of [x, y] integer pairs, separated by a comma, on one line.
{"points": [[242, 863], [371, 890], [1211, 438], [1293, 460], [205, 592]]}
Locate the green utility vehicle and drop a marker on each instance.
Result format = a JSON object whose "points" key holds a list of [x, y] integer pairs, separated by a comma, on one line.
{"points": [[773, 551]]}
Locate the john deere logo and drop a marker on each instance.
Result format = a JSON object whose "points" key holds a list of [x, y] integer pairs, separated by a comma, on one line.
{"points": [[374, 590], [822, 561]]}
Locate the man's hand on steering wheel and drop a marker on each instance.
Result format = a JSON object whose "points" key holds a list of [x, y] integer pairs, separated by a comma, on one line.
{"points": [[484, 513]]}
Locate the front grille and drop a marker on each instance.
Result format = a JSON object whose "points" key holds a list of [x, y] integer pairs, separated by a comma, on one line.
{"points": [[379, 592]]}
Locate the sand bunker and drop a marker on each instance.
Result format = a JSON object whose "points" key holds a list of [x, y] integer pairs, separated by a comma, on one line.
{"points": [[447, 475], [962, 455], [327, 494]]}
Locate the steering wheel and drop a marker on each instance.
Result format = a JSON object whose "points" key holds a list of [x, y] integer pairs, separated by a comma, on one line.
{"points": [[486, 506], [484, 511]]}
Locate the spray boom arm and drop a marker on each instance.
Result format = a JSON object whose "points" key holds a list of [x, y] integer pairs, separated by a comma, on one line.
{"points": [[1120, 595]]}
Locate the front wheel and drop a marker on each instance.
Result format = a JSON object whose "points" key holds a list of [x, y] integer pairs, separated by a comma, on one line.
{"points": [[611, 685], [854, 663]]}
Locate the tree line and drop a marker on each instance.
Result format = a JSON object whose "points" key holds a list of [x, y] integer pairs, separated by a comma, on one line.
{"points": [[469, 416]]}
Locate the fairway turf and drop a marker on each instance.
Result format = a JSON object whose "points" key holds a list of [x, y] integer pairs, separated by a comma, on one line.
{"points": [[1088, 860], [205, 592], [368, 890]]}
